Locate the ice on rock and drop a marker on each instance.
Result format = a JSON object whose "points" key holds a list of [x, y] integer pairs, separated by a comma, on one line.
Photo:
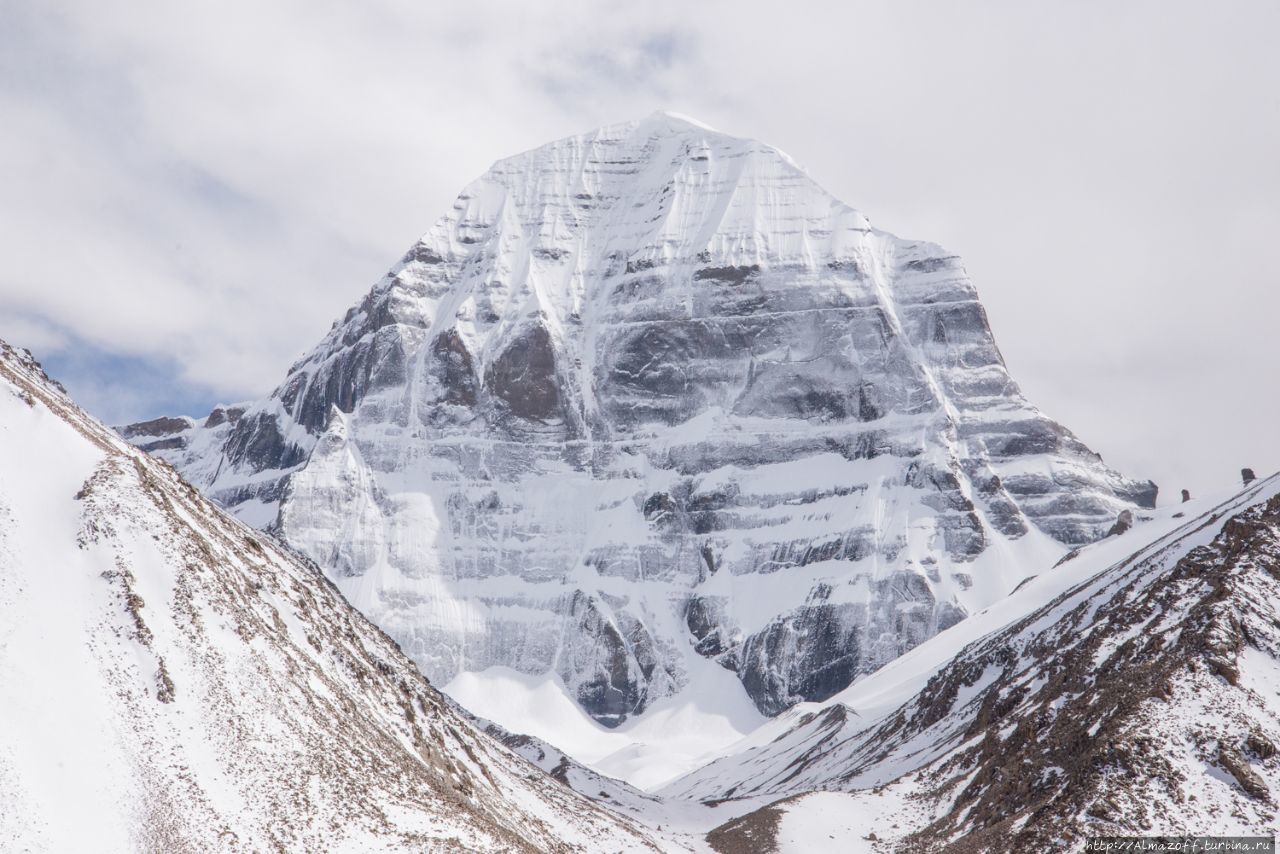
{"points": [[650, 394]]}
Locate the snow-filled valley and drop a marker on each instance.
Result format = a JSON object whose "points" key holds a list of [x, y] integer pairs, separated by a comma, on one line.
{"points": [[674, 736]]}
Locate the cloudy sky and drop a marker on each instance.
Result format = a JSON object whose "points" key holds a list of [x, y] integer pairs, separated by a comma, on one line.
{"points": [[193, 191]]}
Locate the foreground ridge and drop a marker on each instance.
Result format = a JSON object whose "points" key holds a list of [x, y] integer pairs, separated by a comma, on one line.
{"points": [[173, 680]]}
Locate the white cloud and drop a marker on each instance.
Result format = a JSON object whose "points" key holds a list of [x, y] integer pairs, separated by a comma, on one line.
{"points": [[213, 183]]}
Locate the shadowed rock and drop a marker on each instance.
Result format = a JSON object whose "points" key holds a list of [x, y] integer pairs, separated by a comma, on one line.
{"points": [[1123, 523], [524, 377], [163, 426], [451, 367]]}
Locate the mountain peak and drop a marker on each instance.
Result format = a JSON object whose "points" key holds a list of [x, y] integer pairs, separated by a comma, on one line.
{"points": [[646, 407], [662, 148]]}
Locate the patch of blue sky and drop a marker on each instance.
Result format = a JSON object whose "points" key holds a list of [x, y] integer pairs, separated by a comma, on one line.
{"points": [[121, 388]]}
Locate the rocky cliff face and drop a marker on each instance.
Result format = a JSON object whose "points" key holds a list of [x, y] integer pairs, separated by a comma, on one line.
{"points": [[171, 680], [649, 397]]}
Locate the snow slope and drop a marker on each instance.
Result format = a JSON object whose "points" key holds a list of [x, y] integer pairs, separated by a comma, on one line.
{"points": [[674, 736], [173, 680], [1135, 688], [648, 401]]}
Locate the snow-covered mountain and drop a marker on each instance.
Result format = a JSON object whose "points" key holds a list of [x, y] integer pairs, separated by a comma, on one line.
{"points": [[172, 680], [648, 406], [1135, 688]]}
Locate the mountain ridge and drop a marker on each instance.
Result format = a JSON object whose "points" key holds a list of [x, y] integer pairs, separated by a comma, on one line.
{"points": [[171, 679], [1142, 699]]}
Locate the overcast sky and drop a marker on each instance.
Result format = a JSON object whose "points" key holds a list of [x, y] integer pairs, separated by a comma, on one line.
{"points": [[193, 192]]}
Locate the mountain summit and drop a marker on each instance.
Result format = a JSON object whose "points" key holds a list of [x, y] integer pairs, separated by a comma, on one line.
{"points": [[648, 409]]}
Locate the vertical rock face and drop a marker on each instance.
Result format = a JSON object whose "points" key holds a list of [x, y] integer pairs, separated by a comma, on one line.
{"points": [[649, 397]]}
